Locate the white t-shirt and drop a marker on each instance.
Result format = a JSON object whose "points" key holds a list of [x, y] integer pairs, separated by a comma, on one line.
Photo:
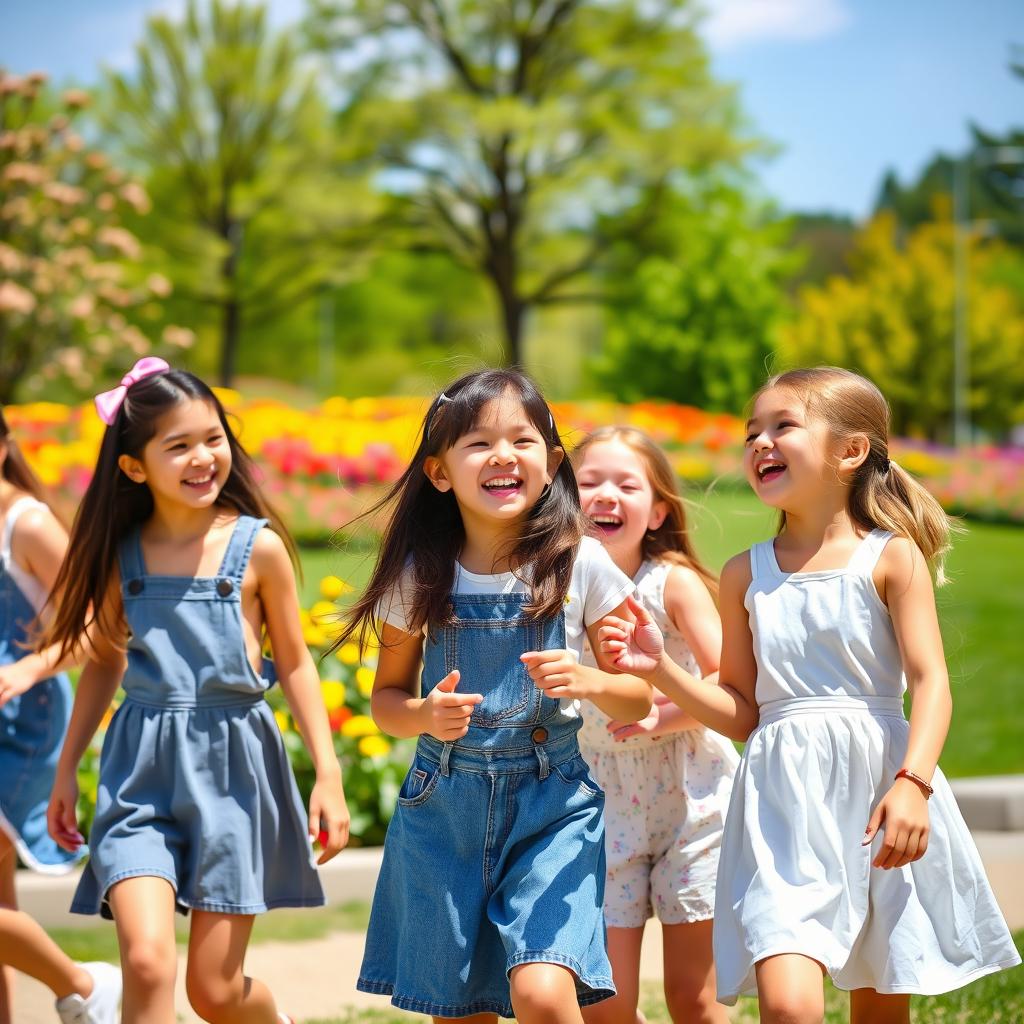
{"points": [[597, 587]]}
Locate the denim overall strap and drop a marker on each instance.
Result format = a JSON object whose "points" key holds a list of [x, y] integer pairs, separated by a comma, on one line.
{"points": [[129, 556], [239, 550]]}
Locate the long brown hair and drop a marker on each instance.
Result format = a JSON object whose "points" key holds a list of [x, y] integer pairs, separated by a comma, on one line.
{"points": [[671, 541], [425, 533], [882, 495], [16, 470], [114, 505]]}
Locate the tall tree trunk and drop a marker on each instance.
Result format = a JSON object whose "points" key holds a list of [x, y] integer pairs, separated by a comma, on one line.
{"points": [[231, 309], [512, 313]]}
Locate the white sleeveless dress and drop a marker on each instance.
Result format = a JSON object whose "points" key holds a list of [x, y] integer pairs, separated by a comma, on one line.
{"points": [[665, 798], [793, 876]]}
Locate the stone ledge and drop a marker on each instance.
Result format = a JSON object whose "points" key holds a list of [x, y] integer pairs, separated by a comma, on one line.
{"points": [[992, 803]]}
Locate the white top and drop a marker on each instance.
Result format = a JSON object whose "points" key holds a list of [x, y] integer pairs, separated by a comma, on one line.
{"points": [[822, 633], [597, 587], [650, 583], [34, 591]]}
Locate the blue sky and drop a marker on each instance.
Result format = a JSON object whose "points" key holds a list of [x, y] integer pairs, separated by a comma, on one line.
{"points": [[847, 88]]}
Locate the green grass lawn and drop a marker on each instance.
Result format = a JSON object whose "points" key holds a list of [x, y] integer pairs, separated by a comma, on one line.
{"points": [[982, 613]]}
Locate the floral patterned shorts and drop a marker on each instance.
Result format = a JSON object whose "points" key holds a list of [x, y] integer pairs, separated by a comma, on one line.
{"points": [[665, 808]]}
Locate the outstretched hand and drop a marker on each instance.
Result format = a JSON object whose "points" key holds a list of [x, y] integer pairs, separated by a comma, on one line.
{"points": [[636, 646]]}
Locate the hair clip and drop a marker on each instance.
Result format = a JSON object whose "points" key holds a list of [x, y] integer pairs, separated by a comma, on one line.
{"points": [[438, 402]]}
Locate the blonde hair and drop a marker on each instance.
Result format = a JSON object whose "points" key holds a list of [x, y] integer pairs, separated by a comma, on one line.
{"points": [[670, 542], [882, 495]]}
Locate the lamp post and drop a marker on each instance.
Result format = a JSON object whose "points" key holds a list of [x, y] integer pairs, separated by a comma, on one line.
{"points": [[986, 155]]}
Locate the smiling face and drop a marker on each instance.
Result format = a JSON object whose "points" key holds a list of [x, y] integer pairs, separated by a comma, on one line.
{"points": [[188, 459], [789, 455], [617, 497], [499, 468]]}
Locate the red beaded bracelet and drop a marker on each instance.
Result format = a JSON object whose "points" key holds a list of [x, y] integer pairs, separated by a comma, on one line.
{"points": [[906, 773]]}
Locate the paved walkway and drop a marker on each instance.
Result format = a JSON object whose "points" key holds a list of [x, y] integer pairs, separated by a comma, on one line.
{"points": [[316, 979]]}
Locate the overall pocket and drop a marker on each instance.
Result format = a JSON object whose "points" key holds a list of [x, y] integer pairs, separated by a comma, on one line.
{"points": [[576, 774], [419, 783]]}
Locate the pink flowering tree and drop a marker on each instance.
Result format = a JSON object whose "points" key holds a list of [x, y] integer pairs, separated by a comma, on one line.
{"points": [[75, 298]]}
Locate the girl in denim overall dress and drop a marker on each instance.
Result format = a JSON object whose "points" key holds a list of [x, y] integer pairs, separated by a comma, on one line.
{"points": [[170, 582], [844, 851], [490, 894], [35, 705]]}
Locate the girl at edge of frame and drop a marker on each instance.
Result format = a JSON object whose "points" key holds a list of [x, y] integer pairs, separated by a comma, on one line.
{"points": [[844, 851], [489, 900], [666, 779], [35, 706], [172, 580]]}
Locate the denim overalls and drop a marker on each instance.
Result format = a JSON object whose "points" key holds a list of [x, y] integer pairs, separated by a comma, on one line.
{"points": [[32, 727], [195, 785], [495, 855]]}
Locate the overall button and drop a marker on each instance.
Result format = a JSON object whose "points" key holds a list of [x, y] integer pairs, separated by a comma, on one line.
{"points": [[135, 587], [539, 735], [225, 587]]}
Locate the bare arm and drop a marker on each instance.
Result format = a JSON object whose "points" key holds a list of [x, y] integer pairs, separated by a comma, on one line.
{"points": [[728, 707], [903, 581], [300, 683], [618, 694], [396, 705]]}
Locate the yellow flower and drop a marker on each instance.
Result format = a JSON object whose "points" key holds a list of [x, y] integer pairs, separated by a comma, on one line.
{"points": [[364, 680], [333, 693], [282, 720], [360, 725], [374, 746], [331, 587], [348, 654], [323, 613], [314, 636]]}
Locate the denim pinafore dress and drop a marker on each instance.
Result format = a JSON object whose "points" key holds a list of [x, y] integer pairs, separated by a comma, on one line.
{"points": [[495, 854], [195, 785], [32, 726]]}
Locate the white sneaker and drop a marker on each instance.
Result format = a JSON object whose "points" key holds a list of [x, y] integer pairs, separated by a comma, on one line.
{"points": [[102, 1006]]}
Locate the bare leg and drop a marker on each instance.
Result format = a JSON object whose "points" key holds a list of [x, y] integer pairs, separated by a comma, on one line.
{"points": [[8, 898], [544, 994], [144, 914], [27, 948], [476, 1018], [870, 1007], [624, 954], [790, 990], [690, 991], [217, 986]]}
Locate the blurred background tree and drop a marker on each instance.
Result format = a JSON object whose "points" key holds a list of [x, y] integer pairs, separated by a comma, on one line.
{"points": [[70, 299], [893, 320], [259, 204], [696, 302], [526, 139]]}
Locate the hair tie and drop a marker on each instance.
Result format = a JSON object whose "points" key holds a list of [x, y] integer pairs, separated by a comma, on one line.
{"points": [[108, 403]]}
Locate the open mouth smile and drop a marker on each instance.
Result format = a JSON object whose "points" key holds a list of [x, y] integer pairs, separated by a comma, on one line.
{"points": [[200, 483], [768, 471], [607, 523], [503, 486]]}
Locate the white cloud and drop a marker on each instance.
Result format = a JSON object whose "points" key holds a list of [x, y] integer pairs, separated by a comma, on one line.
{"points": [[732, 24]]}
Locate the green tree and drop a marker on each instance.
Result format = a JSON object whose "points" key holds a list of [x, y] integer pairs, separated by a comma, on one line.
{"points": [[893, 320], [697, 304], [516, 129], [256, 202], [72, 296]]}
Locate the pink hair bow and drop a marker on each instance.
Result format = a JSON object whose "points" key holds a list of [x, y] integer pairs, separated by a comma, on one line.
{"points": [[108, 402]]}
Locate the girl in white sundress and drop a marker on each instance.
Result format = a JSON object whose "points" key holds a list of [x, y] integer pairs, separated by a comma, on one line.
{"points": [[844, 851], [666, 779]]}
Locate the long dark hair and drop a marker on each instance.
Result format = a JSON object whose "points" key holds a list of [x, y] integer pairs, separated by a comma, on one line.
{"points": [[15, 469], [113, 504], [425, 526]]}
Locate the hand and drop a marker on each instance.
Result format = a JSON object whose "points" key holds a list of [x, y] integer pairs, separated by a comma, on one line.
{"points": [[15, 679], [904, 812], [61, 814], [558, 673], [636, 646], [447, 713], [328, 816]]}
